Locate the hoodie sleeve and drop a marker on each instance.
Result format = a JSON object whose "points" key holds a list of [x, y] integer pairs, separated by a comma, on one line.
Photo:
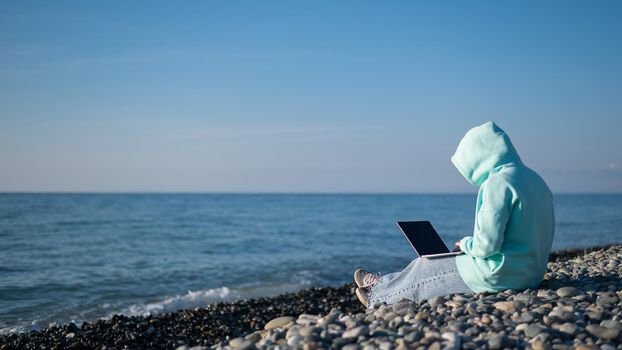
{"points": [[490, 221]]}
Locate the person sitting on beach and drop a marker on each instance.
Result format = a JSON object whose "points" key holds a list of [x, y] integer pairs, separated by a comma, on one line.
{"points": [[512, 235]]}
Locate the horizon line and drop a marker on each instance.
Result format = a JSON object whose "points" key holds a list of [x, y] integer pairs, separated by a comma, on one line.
{"points": [[287, 192]]}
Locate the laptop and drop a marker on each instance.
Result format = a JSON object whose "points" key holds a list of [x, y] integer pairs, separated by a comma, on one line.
{"points": [[424, 239]]}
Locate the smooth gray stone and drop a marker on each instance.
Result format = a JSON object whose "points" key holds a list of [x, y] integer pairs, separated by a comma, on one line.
{"points": [[435, 346], [568, 328], [240, 343], [534, 329], [401, 308], [351, 347], [457, 326], [485, 319], [253, 337], [469, 345], [523, 298], [568, 292], [611, 324], [279, 322], [339, 342], [308, 331], [607, 300], [355, 332], [422, 315], [543, 293], [525, 317], [199, 347], [385, 346], [412, 337], [453, 340], [497, 341], [460, 298], [472, 332], [306, 319], [433, 335], [596, 315], [603, 332], [293, 331], [293, 341], [507, 306], [540, 343], [380, 333], [389, 316], [434, 302]]}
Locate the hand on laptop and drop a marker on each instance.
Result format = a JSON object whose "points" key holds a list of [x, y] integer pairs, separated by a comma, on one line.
{"points": [[457, 249]]}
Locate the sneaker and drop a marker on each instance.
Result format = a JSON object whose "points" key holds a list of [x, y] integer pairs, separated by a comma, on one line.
{"points": [[362, 295], [365, 279]]}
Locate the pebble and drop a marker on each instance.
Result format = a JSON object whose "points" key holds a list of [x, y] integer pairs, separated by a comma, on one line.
{"points": [[434, 302], [568, 328], [422, 316], [278, 322], [526, 317], [293, 341], [253, 337], [306, 319], [453, 340], [603, 332], [412, 337], [385, 346], [486, 319], [533, 330], [497, 341], [351, 347], [506, 306], [568, 292], [435, 346], [586, 347], [240, 343], [611, 324], [539, 343], [355, 332], [308, 331]]}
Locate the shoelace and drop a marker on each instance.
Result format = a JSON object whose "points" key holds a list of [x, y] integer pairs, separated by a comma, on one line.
{"points": [[371, 279]]}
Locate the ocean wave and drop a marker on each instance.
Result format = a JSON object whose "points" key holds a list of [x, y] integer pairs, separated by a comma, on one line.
{"points": [[20, 327], [186, 301], [193, 299], [189, 300]]}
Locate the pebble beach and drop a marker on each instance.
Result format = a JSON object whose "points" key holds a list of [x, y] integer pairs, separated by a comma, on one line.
{"points": [[578, 306]]}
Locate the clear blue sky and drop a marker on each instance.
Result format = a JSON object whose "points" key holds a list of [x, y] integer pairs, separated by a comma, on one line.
{"points": [[316, 96]]}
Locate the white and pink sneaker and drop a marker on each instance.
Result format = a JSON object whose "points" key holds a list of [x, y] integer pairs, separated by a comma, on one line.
{"points": [[365, 279]]}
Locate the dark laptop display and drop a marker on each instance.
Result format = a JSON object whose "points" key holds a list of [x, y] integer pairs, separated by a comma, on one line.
{"points": [[423, 237]]}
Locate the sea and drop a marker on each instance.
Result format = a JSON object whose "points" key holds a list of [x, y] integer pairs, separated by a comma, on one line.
{"points": [[82, 257]]}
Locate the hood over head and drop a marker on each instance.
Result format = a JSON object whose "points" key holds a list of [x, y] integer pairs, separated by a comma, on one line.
{"points": [[481, 150]]}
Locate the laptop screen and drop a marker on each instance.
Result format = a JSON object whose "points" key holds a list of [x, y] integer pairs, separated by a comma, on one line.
{"points": [[423, 237]]}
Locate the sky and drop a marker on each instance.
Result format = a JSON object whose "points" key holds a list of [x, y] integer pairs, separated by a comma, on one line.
{"points": [[293, 96]]}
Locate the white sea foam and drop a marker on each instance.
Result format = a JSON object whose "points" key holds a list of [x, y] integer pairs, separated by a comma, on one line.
{"points": [[201, 298], [186, 301], [189, 300]]}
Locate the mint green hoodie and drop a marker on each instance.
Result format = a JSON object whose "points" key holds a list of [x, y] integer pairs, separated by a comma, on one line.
{"points": [[514, 219]]}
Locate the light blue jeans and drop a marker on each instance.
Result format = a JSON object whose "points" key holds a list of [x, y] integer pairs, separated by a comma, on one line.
{"points": [[422, 279]]}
